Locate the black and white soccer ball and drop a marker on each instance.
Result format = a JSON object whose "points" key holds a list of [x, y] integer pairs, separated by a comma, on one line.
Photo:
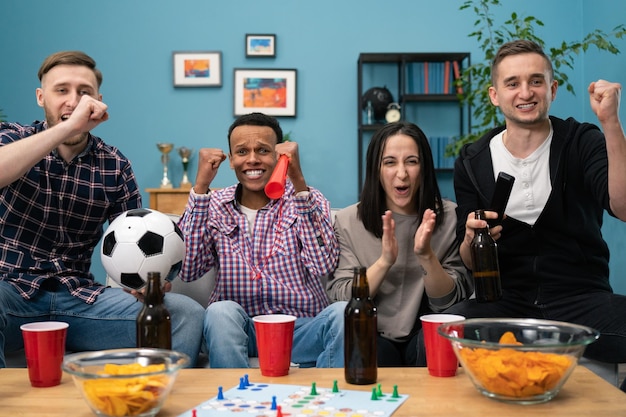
{"points": [[139, 241]]}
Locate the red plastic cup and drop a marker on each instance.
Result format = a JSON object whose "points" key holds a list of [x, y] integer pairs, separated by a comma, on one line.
{"points": [[275, 187], [440, 357], [44, 345], [274, 339]]}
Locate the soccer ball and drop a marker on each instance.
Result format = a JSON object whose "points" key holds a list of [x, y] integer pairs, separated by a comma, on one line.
{"points": [[139, 241]]}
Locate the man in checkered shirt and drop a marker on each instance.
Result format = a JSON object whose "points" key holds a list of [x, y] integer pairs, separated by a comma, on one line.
{"points": [[270, 253], [59, 185]]}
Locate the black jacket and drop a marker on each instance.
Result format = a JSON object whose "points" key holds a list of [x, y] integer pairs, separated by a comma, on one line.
{"points": [[563, 253]]}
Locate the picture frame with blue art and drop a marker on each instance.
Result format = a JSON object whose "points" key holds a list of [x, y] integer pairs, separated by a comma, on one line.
{"points": [[260, 45]]}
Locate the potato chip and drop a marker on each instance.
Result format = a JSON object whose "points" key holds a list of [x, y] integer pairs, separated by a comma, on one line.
{"points": [[514, 373], [126, 397]]}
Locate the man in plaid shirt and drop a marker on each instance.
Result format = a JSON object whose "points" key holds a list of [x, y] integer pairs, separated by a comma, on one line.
{"points": [[269, 253], [59, 185]]}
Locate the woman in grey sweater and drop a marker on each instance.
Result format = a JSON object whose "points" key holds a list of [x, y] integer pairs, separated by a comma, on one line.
{"points": [[404, 233]]}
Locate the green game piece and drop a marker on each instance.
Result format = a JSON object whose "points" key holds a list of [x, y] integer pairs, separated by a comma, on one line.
{"points": [[335, 386], [374, 395], [395, 392], [379, 391], [313, 389]]}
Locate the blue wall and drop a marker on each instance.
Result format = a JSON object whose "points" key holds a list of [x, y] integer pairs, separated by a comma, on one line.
{"points": [[133, 41]]}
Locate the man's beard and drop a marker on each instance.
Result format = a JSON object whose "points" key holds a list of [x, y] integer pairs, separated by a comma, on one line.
{"points": [[76, 140]]}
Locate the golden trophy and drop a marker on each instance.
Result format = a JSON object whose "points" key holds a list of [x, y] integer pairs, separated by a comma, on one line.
{"points": [[185, 155], [165, 149]]}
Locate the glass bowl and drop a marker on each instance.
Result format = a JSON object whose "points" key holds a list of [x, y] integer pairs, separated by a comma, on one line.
{"points": [[125, 382], [524, 361]]}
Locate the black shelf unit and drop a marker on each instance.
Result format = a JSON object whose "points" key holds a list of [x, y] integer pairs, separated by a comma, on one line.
{"points": [[404, 96]]}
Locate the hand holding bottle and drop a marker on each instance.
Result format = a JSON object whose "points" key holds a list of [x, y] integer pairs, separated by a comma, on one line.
{"points": [[485, 266]]}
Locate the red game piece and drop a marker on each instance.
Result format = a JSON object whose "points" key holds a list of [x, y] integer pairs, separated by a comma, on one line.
{"points": [[279, 411]]}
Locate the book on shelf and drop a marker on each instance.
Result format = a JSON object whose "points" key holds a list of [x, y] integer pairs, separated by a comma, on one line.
{"points": [[433, 77], [438, 145], [457, 76], [410, 77], [446, 77]]}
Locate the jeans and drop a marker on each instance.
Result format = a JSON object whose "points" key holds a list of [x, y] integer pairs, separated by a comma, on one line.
{"points": [[109, 323], [231, 339]]}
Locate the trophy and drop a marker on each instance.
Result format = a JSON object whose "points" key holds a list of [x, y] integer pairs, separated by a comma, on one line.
{"points": [[165, 149], [185, 155]]}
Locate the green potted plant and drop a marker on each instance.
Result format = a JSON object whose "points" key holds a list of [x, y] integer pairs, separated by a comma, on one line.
{"points": [[476, 79]]}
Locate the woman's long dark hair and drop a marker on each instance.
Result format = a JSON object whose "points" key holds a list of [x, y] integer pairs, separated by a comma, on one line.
{"points": [[373, 199]]}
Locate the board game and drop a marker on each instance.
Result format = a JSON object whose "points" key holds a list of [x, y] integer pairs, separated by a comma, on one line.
{"points": [[278, 400]]}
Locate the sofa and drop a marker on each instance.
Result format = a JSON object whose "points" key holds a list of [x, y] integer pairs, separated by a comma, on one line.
{"points": [[200, 290]]}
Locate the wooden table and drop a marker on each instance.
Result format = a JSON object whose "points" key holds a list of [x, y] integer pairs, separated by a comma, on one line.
{"points": [[584, 394]]}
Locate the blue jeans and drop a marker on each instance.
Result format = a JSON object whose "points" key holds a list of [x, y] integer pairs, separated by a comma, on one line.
{"points": [[109, 323], [230, 337]]}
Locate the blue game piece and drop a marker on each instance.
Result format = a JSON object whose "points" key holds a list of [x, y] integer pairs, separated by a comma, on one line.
{"points": [[273, 403], [220, 393], [242, 383], [245, 378]]}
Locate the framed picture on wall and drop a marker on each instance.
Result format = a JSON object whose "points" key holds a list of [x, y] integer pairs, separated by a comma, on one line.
{"points": [[197, 69], [260, 45], [269, 91]]}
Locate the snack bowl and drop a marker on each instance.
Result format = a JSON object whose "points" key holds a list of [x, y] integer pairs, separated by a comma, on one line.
{"points": [[523, 361], [125, 382]]}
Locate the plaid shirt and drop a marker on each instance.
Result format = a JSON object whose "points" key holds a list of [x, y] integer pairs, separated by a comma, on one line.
{"points": [[52, 217], [274, 269]]}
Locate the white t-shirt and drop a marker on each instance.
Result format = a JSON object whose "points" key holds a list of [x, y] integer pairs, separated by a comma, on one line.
{"points": [[251, 216], [532, 186]]}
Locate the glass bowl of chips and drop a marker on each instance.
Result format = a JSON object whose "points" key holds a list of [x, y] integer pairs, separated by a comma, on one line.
{"points": [[523, 361], [125, 382]]}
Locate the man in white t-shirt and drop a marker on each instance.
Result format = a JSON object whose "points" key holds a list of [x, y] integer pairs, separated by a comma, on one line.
{"points": [[554, 262]]}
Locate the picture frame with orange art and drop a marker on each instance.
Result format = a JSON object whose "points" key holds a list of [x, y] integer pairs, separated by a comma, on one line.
{"points": [[269, 91], [197, 68]]}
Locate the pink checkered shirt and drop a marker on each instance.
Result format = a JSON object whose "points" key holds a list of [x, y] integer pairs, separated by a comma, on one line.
{"points": [[274, 269]]}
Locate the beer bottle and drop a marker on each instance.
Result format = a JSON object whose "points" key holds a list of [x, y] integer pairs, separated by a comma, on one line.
{"points": [[486, 270], [361, 331], [154, 326]]}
